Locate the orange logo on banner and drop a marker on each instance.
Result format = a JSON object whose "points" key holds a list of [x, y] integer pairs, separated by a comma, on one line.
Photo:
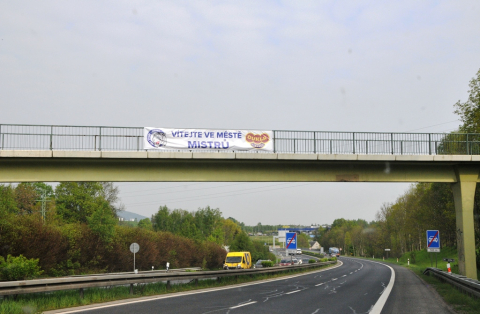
{"points": [[257, 140]]}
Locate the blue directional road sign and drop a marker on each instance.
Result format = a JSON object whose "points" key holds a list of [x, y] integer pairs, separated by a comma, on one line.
{"points": [[291, 241], [433, 241]]}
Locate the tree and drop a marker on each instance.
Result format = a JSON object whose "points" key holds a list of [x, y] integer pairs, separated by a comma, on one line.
{"points": [[161, 220], [230, 231], [8, 204], [110, 194], [26, 197], [469, 111], [241, 243], [76, 201], [145, 223], [102, 222], [303, 241], [43, 188]]}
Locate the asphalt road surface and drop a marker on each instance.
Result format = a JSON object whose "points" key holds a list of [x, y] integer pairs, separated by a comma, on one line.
{"points": [[358, 286]]}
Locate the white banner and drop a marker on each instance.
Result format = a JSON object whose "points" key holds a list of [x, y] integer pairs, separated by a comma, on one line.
{"points": [[204, 139]]}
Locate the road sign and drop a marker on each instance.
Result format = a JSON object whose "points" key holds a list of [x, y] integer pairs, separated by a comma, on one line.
{"points": [[450, 260], [134, 247], [291, 241], [387, 250], [433, 241]]}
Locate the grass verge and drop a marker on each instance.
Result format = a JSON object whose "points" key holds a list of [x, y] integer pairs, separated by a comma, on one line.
{"points": [[39, 302]]}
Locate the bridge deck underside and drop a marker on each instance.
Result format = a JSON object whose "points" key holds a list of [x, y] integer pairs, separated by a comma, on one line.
{"points": [[217, 170]]}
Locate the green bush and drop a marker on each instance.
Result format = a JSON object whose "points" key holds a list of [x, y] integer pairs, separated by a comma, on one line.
{"points": [[311, 261], [19, 268], [267, 264], [332, 259], [324, 260]]}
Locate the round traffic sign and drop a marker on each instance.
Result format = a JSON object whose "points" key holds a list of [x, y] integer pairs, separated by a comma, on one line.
{"points": [[134, 247]]}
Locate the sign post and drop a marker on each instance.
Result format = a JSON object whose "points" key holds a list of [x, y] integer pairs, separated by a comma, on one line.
{"points": [[134, 248], [290, 242], [387, 250], [433, 243]]}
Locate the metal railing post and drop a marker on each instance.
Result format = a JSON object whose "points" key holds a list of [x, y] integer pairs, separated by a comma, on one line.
{"points": [[274, 142], [314, 142], [391, 141], [2, 135], [331, 150], [429, 143], [100, 140], [353, 135], [51, 137], [468, 148], [294, 145], [366, 147], [401, 147]]}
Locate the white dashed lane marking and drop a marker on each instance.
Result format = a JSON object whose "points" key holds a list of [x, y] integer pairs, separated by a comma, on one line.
{"points": [[237, 306]]}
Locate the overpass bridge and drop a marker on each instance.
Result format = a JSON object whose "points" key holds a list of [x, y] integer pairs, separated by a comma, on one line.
{"points": [[30, 153]]}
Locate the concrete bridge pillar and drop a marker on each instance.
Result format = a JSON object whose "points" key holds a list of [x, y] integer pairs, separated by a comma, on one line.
{"points": [[464, 195]]}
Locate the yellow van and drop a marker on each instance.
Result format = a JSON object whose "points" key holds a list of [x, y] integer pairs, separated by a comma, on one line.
{"points": [[238, 260]]}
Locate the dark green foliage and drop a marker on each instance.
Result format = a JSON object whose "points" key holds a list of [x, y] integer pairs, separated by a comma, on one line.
{"points": [[242, 243], [19, 268], [8, 204], [206, 223], [78, 200], [82, 235], [267, 264], [469, 111], [310, 261], [145, 223]]}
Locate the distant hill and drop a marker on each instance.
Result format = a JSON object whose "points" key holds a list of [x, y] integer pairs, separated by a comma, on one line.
{"points": [[126, 215]]}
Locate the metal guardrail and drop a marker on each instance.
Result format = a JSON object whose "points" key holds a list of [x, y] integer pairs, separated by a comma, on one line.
{"points": [[81, 282], [467, 285], [107, 138]]}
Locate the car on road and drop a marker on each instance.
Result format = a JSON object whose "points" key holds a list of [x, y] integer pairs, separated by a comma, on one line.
{"points": [[305, 260], [295, 261], [299, 251], [286, 262]]}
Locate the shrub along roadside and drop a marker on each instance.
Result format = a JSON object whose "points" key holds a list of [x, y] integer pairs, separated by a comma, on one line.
{"points": [[19, 268], [267, 264], [40, 302], [69, 249]]}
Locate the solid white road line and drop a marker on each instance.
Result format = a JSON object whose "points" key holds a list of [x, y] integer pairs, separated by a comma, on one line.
{"points": [[237, 306], [293, 291]]}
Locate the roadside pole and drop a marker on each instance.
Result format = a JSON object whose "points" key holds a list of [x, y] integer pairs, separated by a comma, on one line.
{"points": [[134, 247]]}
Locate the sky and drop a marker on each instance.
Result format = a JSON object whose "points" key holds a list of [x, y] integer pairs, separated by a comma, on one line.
{"points": [[369, 66]]}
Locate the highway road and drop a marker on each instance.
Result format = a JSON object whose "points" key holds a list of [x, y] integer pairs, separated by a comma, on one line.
{"points": [[357, 286]]}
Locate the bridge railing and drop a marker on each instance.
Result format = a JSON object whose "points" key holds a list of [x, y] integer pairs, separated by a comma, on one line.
{"points": [[106, 138]]}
